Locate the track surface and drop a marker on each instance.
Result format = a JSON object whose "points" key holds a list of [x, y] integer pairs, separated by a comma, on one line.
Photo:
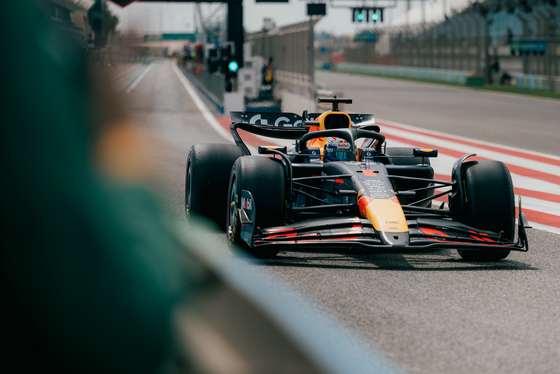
{"points": [[431, 313], [513, 120]]}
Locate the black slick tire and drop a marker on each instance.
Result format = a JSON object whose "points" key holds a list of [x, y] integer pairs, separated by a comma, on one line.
{"points": [[264, 178], [488, 204], [207, 177]]}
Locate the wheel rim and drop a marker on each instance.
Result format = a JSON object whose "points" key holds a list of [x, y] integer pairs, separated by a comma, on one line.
{"points": [[231, 207]]}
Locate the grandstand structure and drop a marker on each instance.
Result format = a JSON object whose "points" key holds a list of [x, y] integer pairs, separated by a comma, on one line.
{"points": [[493, 39]]}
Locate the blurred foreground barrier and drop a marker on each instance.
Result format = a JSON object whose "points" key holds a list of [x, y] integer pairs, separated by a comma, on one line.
{"points": [[238, 323]]}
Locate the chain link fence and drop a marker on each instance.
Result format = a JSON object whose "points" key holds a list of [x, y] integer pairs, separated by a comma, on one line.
{"points": [[290, 48], [498, 41]]}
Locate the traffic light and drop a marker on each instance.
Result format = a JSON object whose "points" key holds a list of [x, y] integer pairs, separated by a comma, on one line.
{"points": [[228, 66], [367, 14], [360, 16], [225, 57], [212, 60], [233, 66], [357, 14], [379, 14], [375, 15]]}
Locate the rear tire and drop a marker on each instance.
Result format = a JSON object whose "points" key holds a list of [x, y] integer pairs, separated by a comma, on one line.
{"points": [[207, 177], [488, 204], [264, 178]]}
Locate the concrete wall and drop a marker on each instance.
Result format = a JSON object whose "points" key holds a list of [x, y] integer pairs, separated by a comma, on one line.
{"points": [[295, 103]]}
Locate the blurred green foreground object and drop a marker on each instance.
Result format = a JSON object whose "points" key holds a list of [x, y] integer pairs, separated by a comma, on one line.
{"points": [[93, 277], [89, 273]]}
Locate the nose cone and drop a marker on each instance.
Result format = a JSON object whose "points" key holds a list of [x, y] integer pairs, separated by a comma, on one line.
{"points": [[387, 218]]}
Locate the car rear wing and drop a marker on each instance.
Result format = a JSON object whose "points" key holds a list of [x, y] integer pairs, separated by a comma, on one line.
{"points": [[282, 125], [292, 120]]}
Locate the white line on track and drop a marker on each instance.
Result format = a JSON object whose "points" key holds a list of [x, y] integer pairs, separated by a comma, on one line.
{"points": [[490, 154], [140, 77], [204, 109], [200, 105], [122, 74], [538, 226], [382, 122]]}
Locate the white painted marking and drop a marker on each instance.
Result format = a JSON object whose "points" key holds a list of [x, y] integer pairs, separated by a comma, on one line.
{"points": [[140, 77], [208, 116], [466, 149], [425, 131]]}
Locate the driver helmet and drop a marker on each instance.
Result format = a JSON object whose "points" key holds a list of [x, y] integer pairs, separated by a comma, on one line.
{"points": [[337, 149]]}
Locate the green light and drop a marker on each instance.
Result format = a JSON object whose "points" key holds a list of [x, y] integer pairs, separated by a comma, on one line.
{"points": [[360, 17], [374, 17], [233, 66]]}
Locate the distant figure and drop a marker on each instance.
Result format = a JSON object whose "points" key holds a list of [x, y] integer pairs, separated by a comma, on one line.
{"points": [[495, 67], [489, 69], [506, 78], [509, 36], [267, 72]]}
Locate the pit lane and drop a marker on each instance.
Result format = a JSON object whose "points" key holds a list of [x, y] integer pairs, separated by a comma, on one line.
{"points": [[430, 312]]}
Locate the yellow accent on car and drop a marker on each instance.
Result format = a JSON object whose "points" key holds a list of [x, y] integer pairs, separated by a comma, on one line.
{"points": [[386, 215]]}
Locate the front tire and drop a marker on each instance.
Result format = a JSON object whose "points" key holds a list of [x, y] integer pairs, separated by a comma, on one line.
{"points": [[488, 204], [264, 178], [207, 176]]}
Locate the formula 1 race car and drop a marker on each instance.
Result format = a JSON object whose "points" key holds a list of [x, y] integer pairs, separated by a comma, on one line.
{"points": [[340, 187]]}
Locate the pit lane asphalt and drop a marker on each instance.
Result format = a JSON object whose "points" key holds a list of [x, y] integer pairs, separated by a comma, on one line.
{"points": [[525, 122], [431, 312]]}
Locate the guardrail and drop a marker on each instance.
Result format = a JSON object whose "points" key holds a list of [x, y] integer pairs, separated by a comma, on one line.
{"points": [[527, 81], [536, 82], [430, 74]]}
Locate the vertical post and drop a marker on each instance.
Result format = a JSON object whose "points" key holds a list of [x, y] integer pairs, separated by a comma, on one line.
{"points": [[311, 59], [235, 29], [549, 55], [479, 46], [407, 13], [486, 64], [422, 39]]}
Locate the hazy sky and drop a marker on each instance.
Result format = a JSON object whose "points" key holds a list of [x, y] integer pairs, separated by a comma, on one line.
{"points": [[173, 17]]}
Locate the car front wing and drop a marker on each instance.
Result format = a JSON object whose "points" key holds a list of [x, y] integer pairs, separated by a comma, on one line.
{"points": [[333, 234]]}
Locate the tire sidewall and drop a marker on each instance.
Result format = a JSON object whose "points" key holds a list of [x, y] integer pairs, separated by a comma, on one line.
{"points": [[489, 198], [206, 181], [488, 204], [264, 178]]}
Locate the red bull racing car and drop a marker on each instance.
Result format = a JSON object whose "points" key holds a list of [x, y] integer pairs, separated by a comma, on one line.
{"points": [[340, 187]]}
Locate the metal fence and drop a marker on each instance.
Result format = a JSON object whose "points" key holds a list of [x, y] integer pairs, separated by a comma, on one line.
{"points": [[291, 50], [475, 41]]}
